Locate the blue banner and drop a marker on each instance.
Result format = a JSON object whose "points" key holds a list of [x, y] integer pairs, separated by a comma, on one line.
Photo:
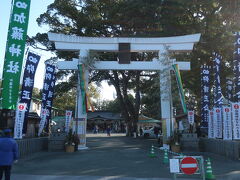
{"points": [[229, 90], [27, 84], [47, 96], [236, 66], [50, 100], [218, 97], [205, 91]]}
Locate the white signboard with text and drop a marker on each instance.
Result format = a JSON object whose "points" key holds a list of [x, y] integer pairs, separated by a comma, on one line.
{"points": [[217, 117], [210, 124], [227, 123], [19, 120], [236, 120], [68, 120], [191, 117]]}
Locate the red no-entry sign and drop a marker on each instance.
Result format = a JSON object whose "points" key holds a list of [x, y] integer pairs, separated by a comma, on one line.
{"points": [[189, 165]]}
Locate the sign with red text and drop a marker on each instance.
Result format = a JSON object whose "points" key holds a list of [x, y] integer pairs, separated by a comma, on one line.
{"points": [[68, 119], [210, 124], [217, 118], [191, 117], [227, 123], [19, 119], [236, 120]]}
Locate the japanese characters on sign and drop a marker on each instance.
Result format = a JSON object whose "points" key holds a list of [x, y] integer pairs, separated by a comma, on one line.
{"points": [[47, 94], [227, 123], [191, 117], [217, 118], [229, 89], [27, 84], [218, 97], [68, 120], [236, 120], [236, 66], [205, 91], [18, 126], [14, 53], [210, 124]]}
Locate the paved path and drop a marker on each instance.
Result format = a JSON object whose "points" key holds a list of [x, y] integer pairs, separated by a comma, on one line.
{"points": [[110, 158]]}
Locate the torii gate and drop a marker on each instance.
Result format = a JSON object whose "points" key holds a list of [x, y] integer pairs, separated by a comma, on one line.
{"points": [[84, 44]]}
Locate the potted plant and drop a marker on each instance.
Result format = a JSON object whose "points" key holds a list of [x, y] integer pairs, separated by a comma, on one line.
{"points": [[69, 142], [174, 142]]}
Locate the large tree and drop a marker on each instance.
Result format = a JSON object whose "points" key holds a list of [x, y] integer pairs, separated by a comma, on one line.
{"points": [[144, 18]]}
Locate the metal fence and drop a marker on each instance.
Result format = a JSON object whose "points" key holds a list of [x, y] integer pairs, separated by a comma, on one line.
{"points": [[30, 146]]}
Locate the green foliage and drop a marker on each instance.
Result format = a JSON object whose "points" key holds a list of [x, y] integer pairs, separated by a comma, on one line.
{"points": [[214, 19], [72, 138]]}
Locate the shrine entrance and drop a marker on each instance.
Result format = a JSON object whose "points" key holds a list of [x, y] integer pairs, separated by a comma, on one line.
{"points": [[122, 45]]}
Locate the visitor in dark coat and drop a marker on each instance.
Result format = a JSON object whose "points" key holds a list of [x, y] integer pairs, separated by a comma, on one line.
{"points": [[8, 154]]}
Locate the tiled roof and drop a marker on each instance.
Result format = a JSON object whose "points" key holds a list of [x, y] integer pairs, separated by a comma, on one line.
{"points": [[103, 115]]}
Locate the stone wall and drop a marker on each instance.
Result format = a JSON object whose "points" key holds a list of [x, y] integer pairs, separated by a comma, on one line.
{"points": [[56, 141], [29, 146], [189, 142], [226, 148]]}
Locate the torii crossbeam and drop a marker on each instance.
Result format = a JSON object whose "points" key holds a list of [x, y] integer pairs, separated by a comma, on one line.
{"points": [[84, 44]]}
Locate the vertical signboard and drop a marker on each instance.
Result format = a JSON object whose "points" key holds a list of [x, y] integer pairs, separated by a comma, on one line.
{"points": [[217, 118], [229, 89], [47, 96], [27, 84], [210, 124], [236, 66], [68, 120], [205, 91], [191, 117], [50, 94], [218, 97], [14, 53], [227, 123], [19, 118], [236, 120]]}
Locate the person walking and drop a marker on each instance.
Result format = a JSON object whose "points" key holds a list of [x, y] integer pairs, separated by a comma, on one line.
{"points": [[8, 154]]}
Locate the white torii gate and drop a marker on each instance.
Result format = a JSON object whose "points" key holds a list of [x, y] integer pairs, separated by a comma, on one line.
{"points": [[84, 44]]}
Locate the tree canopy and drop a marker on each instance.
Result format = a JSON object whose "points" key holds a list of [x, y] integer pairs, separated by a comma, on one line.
{"points": [[214, 19]]}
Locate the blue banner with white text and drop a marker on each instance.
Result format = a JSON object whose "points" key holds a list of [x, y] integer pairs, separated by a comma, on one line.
{"points": [[28, 83], [205, 93], [236, 66], [47, 96], [218, 97]]}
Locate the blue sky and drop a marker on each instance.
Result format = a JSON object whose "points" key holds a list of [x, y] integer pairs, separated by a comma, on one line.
{"points": [[37, 8]]}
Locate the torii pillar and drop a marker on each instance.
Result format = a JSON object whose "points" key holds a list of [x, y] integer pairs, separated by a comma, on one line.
{"points": [[84, 44]]}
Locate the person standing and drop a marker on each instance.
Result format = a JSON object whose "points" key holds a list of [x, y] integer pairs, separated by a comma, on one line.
{"points": [[108, 131], [8, 154], [156, 131]]}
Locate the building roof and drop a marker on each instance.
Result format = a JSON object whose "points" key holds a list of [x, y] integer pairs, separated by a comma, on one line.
{"points": [[104, 115], [145, 119]]}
